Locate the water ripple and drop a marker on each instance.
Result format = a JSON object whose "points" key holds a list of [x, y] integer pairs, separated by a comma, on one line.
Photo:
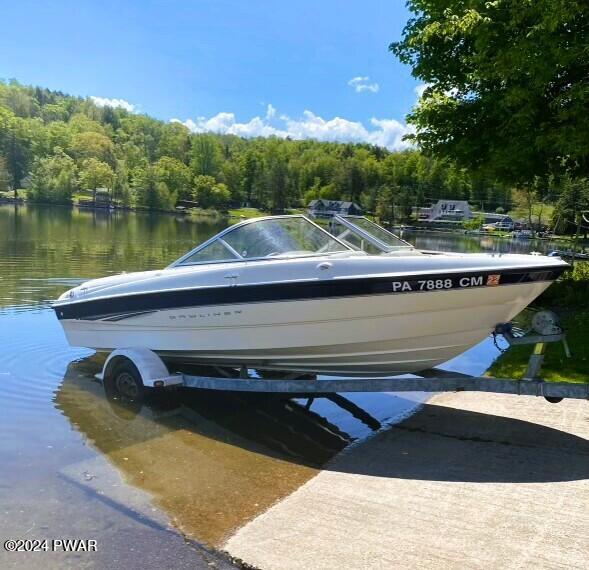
{"points": [[33, 360]]}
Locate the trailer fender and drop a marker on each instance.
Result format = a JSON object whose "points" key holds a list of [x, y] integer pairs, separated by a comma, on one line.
{"points": [[154, 373]]}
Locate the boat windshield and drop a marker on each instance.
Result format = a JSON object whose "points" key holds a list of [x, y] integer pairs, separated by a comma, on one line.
{"points": [[266, 238], [362, 234]]}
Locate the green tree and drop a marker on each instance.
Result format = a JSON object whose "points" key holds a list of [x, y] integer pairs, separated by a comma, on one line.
{"points": [[176, 176], [349, 180], [90, 144], [211, 194], [151, 192], [574, 200], [4, 176], [269, 173], [276, 177], [53, 179], [96, 174], [205, 155], [16, 147], [175, 141], [474, 223], [143, 132], [250, 168], [21, 103], [121, 190], [507, 88], [231, 177]]}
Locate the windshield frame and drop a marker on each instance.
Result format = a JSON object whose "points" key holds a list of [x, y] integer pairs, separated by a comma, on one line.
{"points": [[348, 222], [181, 262]]}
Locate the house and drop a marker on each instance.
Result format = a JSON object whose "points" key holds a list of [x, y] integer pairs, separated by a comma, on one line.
{"points": [[446, 210], [322, 208], [491, 218], [453, 212], [100, 199]]}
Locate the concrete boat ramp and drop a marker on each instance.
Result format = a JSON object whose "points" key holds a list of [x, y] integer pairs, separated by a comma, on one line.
{"points": [[469, 481]]}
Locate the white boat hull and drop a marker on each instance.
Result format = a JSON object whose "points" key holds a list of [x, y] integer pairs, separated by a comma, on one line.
{"points": [[399, 333]]}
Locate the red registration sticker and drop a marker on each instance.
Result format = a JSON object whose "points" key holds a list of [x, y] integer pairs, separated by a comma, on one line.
{"points": [[493, 280]]}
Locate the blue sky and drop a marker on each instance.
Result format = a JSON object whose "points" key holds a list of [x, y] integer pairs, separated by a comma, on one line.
{"points": [[218, 65]]}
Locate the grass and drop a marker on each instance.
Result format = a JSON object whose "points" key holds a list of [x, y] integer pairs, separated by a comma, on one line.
{"points": [[557, 367], [521, 213], [10, 194], [569, 297], [246, 213]]}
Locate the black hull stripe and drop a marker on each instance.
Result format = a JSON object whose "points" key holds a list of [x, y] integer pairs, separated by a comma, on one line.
{"points": [[116, 308]]}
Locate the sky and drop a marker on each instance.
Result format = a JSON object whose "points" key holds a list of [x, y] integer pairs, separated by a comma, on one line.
{"points": [[306, 69]]}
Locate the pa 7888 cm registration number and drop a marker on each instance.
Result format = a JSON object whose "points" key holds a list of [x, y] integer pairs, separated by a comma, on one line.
{"points": [[446, 283]]}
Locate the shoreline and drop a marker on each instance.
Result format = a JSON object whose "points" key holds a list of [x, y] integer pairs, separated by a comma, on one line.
{"points": [[240, 213]]}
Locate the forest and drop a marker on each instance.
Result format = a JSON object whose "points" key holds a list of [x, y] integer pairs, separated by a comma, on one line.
{"points": [[54, 145]]}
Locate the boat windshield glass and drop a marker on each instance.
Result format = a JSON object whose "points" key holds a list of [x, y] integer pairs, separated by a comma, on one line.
{"points": [[360, 233], [267, 238]]}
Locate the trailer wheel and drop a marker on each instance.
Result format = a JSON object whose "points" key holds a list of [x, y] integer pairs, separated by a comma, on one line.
{"points": [[553, 399], [126, 381]]}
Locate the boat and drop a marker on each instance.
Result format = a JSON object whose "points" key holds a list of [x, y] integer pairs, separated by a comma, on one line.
{"points": [[281, 293], [523, 234], [569, 254]]}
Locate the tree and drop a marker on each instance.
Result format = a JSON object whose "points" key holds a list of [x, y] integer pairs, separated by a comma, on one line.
{"points": [[53, 179], [154, 163], [151, 192], [210, 194], [143, 132], [276, 180], [21, 103], [175, 141], [394, 204], [349, 180], [474, 223], [249, 167], [206, 155], [121, 190], [573, 200], [231, 177], [4, 176], [15, 145], [93, 145], [507, 89], [96, 174], [176, 176]]}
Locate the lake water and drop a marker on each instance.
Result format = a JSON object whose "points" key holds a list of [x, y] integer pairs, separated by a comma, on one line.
{"points": [[477, 243], [74, 464]]}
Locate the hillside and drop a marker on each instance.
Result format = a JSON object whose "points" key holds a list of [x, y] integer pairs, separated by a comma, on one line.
{"points": [[55, 145]]}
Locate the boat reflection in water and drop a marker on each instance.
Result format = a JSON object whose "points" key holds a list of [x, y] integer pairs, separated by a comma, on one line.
{"points": [[213, 460]]}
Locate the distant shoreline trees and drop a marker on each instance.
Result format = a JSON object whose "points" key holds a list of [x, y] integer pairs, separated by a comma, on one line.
{"points": [[56, 146]]}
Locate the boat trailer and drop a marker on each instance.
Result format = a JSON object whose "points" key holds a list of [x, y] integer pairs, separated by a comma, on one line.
{"points": [[130, 370]]}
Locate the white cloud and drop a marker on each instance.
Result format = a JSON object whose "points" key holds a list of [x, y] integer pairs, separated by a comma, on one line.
{"points": [[361, 84], [270, 111], [225, 123], [311, 126], [389, 133], [419, 89], [383, 132], [120, 103]]}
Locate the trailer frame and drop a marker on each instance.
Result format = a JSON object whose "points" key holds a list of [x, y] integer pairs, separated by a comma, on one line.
{"points": [[150, 371]]}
